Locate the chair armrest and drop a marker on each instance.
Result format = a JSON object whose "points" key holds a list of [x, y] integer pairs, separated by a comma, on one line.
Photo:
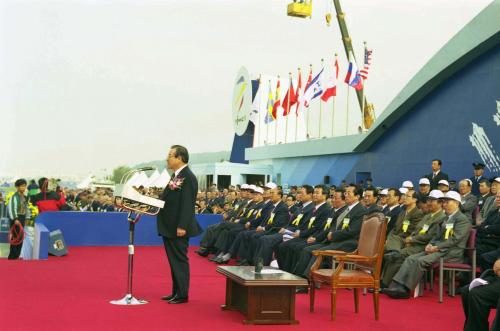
{"points": [[356, 258], [328, 253]]}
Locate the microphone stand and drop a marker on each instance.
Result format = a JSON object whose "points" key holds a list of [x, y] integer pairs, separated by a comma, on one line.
{"points": [[133, 218]]}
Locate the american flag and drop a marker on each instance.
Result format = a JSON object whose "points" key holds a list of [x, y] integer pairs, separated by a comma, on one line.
{"points": [[367, 62]]}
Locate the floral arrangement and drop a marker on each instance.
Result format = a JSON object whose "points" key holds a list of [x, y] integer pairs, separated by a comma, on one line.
{"points": [[176, 183]]}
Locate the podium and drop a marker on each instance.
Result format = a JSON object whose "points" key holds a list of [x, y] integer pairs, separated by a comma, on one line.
{"points": [[136, 204]]}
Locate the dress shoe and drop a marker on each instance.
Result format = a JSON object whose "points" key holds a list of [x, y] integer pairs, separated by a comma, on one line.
{"points": [[203, 253], [168, 297], [177, 301], [214, 258], [397, 293], [221, 261]]}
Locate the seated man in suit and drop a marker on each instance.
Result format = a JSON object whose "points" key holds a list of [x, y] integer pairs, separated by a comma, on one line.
{"points": [[488, 238], [399, 248], [370, 197], [407, 221], [344, 234], [449, 244], [393, 208], [298, 222], [288, 251], [469, 200], [489, 203], [478, 301]]}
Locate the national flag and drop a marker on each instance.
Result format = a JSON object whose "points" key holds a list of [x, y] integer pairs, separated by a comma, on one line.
{"points": [[297, 95], [331, 85], [270, 102], [277, 101], [289, 100], [353, 77], [255, 104], [367, 61], [314, 89]]}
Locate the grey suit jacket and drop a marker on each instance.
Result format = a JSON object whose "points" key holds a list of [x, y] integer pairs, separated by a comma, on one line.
{"points": [[488, 205], [454, 246], [469, 204]]}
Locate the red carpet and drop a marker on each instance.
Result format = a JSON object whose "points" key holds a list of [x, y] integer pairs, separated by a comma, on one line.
{"points": [[72, 293]]}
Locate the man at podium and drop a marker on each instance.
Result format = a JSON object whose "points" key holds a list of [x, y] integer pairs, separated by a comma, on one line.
{"points": [[176, 221]]}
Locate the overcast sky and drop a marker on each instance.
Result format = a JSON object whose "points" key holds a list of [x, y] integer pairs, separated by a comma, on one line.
{"points": [[87, 85]]}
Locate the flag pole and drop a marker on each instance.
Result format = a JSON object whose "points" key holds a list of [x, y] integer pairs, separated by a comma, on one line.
{"points": [[347, 106], [308, 111], [363, 97], [258, 110], [333, 101], [321, 104], [276, 119], [288, 107], [267, 114], [297, 109]]}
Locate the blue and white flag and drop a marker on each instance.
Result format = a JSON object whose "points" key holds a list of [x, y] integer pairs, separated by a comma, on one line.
{"points": [[313, 90]]}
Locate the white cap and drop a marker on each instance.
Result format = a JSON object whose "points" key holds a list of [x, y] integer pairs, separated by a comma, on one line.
{"points": [[403, 190], [444, 182], [384, 192], [258, 190], [435, 194], [252, 187], [424, 181], [407, 184], [271, 186], [245, 187], [497, 179], [453, 196]]}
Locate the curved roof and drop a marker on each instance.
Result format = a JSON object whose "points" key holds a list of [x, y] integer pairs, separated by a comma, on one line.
{"points": [[480, 35]]}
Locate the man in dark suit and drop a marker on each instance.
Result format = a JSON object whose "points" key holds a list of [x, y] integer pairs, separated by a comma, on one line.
{"points": [[176, 221], [478, 175], [436, 175], [393, 208]]}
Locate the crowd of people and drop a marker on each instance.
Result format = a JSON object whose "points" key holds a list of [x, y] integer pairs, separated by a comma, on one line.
{"points": [[262, 224]]}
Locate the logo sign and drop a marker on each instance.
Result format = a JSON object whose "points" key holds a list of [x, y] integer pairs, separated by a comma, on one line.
{"points": [[242, 101]]}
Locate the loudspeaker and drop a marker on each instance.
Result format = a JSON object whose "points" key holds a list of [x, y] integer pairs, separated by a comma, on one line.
{"points": [[326, 180], [57, 246]]}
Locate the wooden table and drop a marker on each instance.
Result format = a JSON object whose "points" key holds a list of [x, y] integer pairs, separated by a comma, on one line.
{"points": [[262, 298]]}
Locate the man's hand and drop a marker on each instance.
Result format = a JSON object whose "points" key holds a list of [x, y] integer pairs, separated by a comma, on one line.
{"points": [[259, 229], [496, 268], [282, 230], [181, 232], [247, 225], [311, 240], [408, 240], [296, 234], [429, 249], [330, 236]]}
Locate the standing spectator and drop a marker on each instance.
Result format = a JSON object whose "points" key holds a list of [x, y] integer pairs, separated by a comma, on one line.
{"points": [[47, 199], [33, 189], [478, 175], [436, 175], [18, 211]]}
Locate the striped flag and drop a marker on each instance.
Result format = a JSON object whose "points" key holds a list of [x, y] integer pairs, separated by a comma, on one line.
{"points": [[277, 101], [297, 95], [366, 63], [314, 89], [270, 103], [353, 77], [289, 100]]}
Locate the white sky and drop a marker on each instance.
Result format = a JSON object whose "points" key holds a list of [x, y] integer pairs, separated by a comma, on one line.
{"points": [[87, 85]]}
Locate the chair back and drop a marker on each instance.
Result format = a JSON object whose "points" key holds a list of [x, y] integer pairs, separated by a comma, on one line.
{"points": [[371, 241], [471, 243]]}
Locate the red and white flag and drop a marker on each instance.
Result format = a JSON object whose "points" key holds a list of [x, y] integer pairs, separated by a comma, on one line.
{"points": [[331, 84], [366, 63]]}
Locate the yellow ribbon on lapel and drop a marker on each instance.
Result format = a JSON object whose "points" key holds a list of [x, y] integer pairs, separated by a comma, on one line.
{"points": [[328, 224], [297, 219], [345, 223], [270, 221], [311, 222], [406, 224]]}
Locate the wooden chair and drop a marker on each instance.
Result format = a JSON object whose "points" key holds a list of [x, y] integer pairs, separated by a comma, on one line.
{"points": [[367, 259]]}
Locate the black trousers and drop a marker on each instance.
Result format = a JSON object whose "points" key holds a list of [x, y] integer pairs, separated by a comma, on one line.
{"points": [[177, 249], [15, 250], [477, 304], [486, 260]]}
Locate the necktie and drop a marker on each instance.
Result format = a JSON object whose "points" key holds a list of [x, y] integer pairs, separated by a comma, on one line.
{"points": [[341, 217]]}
